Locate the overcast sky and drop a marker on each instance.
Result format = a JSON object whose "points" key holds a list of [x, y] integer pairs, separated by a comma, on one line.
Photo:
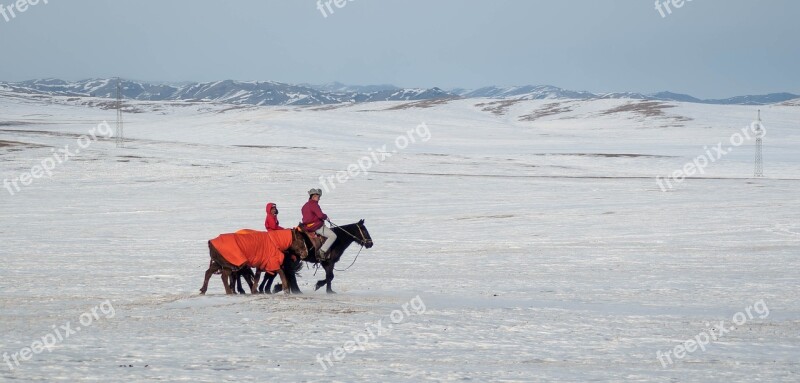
{"points": [[707, 48]]}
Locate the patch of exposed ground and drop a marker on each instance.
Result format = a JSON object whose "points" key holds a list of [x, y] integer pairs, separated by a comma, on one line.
{"points": [[484, 217], [112, 105], [646, 109], [236, 107], [605, 155], [16, 146], [498, 108], [424, 104], [270, 147], [331, 107], [48, 133], [13, 123], [547, 110], [795, 102]]}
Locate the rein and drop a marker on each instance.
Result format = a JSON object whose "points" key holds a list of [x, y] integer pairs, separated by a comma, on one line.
{"points": [[354, 260], [362, 241]]}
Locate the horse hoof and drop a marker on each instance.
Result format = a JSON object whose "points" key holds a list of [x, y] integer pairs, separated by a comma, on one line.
{"points": [[331, 292]]}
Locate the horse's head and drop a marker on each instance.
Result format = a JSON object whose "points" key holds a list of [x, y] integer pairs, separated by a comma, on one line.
{"points": [[301, 243], [365, 239]]}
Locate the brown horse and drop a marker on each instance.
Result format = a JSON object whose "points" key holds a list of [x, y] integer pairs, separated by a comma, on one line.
{"points": [[299, 248]]}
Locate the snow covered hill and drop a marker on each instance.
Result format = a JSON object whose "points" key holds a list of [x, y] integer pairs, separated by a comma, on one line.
{"points": [[232, 92], [546, 92]]}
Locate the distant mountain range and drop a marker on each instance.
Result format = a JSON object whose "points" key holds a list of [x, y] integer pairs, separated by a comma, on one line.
{"points": [[275, 93], [545, 92], [229, 91]]}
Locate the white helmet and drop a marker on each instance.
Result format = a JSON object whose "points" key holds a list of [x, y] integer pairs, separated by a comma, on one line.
{"points": [[315, 191]]}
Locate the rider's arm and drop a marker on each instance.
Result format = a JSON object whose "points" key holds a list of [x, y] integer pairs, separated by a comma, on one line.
{"points": [[318, 212]]}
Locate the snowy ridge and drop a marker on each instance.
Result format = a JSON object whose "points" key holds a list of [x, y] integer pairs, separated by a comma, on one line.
{"points": [[228, 91], [547, 92]]}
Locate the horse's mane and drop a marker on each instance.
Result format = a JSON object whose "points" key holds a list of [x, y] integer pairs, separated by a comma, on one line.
{"points": [[293, 267], [339, 230]]}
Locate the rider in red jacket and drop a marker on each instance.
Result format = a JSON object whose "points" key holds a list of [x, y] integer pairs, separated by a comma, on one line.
{"points": [[314, 221], [271, 223]]}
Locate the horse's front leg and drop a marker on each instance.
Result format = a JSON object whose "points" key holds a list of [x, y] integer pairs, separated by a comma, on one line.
{"points": [[293, 283], [284, 282], [329, 277], [322, 282], [328, 266]]}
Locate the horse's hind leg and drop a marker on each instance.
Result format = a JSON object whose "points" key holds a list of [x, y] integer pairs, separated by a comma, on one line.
{"points": [[253, 281], [236, 282], [226, 276], [268, 287], [266, 284]]}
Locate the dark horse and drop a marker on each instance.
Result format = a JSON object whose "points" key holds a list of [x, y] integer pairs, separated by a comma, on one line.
{"points": [[345, 236], [292, 265]]}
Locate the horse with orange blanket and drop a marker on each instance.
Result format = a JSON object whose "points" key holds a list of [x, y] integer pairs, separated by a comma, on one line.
{"points": [[250, 248]]}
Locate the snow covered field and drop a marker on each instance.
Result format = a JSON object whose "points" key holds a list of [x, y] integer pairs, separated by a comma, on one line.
{"points": [[534, 235]]}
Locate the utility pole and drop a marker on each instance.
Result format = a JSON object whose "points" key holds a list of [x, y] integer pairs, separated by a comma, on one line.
{"points": [[120, 136], [759, 165]]}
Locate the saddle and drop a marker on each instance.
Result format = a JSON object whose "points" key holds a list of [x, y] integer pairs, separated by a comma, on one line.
{"points": [[316, 240]]}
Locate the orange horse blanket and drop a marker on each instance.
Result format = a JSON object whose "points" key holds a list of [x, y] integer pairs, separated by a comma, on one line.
{"points": [[260, 249]]}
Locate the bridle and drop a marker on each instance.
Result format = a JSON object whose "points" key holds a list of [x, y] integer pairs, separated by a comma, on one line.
{"points": [[363, 241]]}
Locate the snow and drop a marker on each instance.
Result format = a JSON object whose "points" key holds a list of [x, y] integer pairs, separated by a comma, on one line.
{"points": [[536, 257]]}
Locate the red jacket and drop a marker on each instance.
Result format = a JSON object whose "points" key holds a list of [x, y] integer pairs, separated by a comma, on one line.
{"points": [[271, 223], [313, 217]]}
